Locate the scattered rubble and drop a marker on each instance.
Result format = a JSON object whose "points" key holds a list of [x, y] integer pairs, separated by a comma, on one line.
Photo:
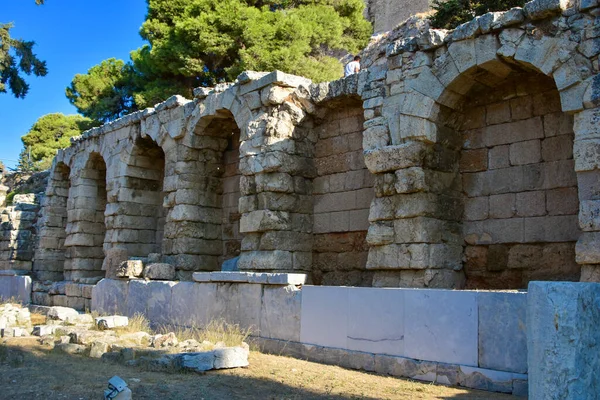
{"points": [[107, 338]]}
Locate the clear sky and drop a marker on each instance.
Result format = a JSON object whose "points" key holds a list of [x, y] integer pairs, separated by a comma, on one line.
{"points": [[71, 36]]}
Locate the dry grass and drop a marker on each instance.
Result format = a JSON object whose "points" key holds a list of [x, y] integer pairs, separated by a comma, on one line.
{"points": [[137, 323], [38, 319], [39, 373], [217, 331], [9, 300]]}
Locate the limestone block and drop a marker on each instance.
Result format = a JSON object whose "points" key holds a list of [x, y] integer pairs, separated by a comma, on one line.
{"points": [[587, 250], [62, 313], [589, 215], [539, 9], [375, 137], [159, 271], [111, 321], [231, 357], [571, 99], [434, 334], [561, 330], [130, 269], [485, 379], [463, 54], [405, 367], [238, 303], [98, 348], [591, 97], [229, 277], [391, 158], [502, 331], [586, 154], [380, 234], [266, 260], [315, 316], [185, 298], [265, 220], [44, 330], [587, 124], [112, 261], [376, 332], [467, 30], [202, 361], [280, 313], [109, 296]]}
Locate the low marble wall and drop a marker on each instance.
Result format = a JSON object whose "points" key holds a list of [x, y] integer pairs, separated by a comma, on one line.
{"points": [[468, 338], [15, 287]]}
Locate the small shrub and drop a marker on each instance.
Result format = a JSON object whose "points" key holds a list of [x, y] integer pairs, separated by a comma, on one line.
{"points": [[449, 14]]}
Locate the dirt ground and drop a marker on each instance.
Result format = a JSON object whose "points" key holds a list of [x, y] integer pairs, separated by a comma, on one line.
{"points": [[29, 370]]}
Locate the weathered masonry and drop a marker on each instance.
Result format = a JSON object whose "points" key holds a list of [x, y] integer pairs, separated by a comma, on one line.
{"points": [[465, 158]]}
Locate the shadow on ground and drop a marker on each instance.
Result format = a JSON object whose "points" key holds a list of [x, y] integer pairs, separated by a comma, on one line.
{"points": [[34, 372]]}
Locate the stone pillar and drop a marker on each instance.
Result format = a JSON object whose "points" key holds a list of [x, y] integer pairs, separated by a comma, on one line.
{"points": [[563, 340], [276, 185], [586, 152], [415, 232]]}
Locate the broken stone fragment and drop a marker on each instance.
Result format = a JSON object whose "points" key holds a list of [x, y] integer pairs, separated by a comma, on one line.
{"points": [[62, 313], [112, 321], [159, 271], [130, 269], [166, 340]]}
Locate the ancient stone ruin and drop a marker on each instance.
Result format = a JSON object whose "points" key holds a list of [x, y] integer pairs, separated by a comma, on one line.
{"points": [[454, 159]]}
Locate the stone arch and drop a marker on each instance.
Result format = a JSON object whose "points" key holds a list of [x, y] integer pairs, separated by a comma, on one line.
{"points": [[342, 191], [86, 229], [50, 253], [203, 225], [512, 222], [135, 214]]}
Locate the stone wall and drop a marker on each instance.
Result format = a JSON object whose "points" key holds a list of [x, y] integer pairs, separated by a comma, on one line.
{"points": [[342, 196], [18, 233], [520, 184], [466, 338], [466, 139]]}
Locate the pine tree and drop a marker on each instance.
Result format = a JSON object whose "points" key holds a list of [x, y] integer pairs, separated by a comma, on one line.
{"points": [[47, 135], [17, 58], [202, 42]]}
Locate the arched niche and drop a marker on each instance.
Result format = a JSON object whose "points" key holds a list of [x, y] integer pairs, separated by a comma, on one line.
{"points": [[342, 194], [86, 229], [50, 252]]}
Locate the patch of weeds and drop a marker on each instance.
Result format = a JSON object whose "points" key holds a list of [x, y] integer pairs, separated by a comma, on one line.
{"points": [[214, 332], [137, 323]]}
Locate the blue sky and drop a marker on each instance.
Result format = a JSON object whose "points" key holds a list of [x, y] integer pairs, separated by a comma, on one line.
{"points": [[71, 36]]}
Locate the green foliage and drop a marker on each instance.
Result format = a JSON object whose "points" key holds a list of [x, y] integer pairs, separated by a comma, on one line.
{"points": [[202, 42], [17, 58], [47, 135], [449, 14], [11, 196], [105, 92]]}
